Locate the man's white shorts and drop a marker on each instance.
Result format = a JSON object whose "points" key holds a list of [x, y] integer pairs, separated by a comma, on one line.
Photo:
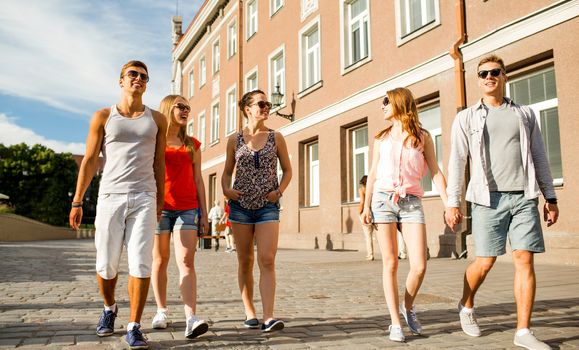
{"points": [[125, 219]]}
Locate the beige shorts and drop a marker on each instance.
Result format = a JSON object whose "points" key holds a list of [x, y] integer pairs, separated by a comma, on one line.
{"points": [[125, 219]]}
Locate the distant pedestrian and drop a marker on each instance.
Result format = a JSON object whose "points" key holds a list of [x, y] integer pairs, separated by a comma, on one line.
{"points": [[254, 202], [229, 241], [367, 229], [402, 153], [184, 215], [215, 215], [132, 138], [509, 170]]}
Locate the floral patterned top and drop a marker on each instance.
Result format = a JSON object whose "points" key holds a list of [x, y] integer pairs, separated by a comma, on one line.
{"points": [[256, 172]]}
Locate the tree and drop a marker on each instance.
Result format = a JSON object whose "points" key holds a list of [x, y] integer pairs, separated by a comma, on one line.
{"points": [[38, 181]]}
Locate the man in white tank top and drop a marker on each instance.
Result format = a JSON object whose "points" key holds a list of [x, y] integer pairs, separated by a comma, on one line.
{"points": [[132, 139]]}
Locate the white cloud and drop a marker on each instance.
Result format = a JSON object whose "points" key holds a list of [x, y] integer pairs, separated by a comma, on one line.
{"points": [[11, 134]]}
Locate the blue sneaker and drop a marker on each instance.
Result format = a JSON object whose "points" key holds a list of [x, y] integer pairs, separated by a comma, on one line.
{"points": [[136, 339], [106, 324], [251, 323], [271, 326]]}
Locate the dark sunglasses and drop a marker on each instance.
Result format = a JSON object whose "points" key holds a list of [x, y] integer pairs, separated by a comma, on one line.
{"points": [[494, 72], [183, 107], [386, 101], [262, 104], [133, 74]]}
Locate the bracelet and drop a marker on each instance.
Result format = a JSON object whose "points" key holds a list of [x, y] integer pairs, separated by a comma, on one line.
{"points": [[76, 205], [551, 200]]}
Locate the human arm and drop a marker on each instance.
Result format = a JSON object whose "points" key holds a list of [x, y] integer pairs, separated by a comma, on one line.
{"points": [[286, 168], [543, 171], [89, 164], [159, 161], [228, 169], [362, 195], [456, 165], [200, 186], [367, 212]]}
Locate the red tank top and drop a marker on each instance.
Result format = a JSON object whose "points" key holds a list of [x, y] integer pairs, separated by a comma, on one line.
{"points": [[180, 189]]}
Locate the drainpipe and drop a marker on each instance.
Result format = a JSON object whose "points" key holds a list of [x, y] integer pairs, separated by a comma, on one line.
{"points": [[240, 83], [460, 87]]}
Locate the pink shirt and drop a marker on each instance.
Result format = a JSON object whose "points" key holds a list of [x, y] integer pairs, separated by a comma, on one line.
{"points": [[400, 168]]}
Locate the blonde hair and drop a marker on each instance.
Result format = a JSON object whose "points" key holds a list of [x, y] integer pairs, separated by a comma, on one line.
{"points": [[492, 58], [404, 110], [166, 107], [133, 63]]}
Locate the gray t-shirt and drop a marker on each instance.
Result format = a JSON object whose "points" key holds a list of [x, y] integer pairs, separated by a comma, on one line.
{"points": [[503, 150]]}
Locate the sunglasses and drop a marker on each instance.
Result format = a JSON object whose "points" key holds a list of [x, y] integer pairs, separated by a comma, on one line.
{"points": [[133, 74], [183, 107], [262, 104], [494, 72], [386, 101]]}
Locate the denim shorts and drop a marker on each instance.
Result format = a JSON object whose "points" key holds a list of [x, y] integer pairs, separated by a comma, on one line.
{"points": [[509, 215], [241, 215], [178, 220], [408, 209]]}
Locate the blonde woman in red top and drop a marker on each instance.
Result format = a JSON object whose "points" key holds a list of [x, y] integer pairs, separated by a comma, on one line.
{"points": [[184, 214]]}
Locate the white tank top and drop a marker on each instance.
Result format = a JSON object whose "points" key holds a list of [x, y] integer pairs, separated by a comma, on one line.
{"points": [[129, 151]]}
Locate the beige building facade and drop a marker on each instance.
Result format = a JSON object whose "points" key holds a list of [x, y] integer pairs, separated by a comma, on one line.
{"points": [[334, 60]]}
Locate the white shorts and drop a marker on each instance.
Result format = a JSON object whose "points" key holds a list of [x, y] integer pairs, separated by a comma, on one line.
{"points": [[127, 219]]}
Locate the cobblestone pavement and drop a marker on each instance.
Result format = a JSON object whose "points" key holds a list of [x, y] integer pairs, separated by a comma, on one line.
{"points": [[49, 299]]}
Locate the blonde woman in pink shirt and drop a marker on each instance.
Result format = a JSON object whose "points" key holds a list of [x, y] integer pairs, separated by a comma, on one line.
{"points": [[402, 153]]}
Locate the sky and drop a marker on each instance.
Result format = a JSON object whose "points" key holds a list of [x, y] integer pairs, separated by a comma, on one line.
{"points": [[60, 62]]}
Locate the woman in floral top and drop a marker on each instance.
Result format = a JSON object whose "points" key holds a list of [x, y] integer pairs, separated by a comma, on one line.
{"points": [[254, 203]]}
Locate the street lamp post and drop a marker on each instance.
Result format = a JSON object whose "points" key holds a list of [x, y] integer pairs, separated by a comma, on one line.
{"points": [[277, 98]]}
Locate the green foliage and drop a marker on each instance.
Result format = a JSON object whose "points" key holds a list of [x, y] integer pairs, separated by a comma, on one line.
{"points": [[38, 181]]}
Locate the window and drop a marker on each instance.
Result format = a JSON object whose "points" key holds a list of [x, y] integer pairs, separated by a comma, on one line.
{"points": [[231, 111], [310, 56], [275, 5], [415, 17], [232, 39], [538, 91], [430, 119], [201, 129], [202, 72], [216, 57], [313, 174], [214, 123], [356, 31], [251, 80], [191, 84], [190, 128], [213, 189], [359, 137], [308, 7], [251, 18], [277, 73]]}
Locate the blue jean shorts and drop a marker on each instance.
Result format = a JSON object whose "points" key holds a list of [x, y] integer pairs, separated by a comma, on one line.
{"points": [[511, 216], [241, 215], [179, 220], [408, 209]]}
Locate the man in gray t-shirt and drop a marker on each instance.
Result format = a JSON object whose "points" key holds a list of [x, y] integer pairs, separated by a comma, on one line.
{"points": [[509, 171]]}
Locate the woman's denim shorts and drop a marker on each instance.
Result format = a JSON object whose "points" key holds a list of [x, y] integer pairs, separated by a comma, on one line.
{"points": [[179, 220], [408, 209], [241, 215]]}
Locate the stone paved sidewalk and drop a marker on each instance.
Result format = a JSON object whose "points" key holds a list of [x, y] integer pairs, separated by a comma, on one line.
{"points": [[49, 299]]}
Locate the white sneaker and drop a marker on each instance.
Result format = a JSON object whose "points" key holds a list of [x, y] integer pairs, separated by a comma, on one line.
{"points": [[529, 341], [396, 333], [411, 319], [160, 321], [468, 322], [195, 327]]}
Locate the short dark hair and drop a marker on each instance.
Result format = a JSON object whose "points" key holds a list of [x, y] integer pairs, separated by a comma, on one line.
{"points": [[247, 98], [363, 180], [133, 63], [492, 58]]}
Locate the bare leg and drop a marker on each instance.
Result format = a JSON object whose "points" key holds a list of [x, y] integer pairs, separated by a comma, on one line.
{"points": [[138, 289], [245, 258], [185, 244], [368, 229], [266, 236], [474, 276], [386, 235], [415, 236], [525, 285], [107, 289], [161, 255]]}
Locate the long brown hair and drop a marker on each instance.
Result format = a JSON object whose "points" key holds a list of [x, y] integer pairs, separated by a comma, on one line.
{"points": [[404, 110], [166, 107]]}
